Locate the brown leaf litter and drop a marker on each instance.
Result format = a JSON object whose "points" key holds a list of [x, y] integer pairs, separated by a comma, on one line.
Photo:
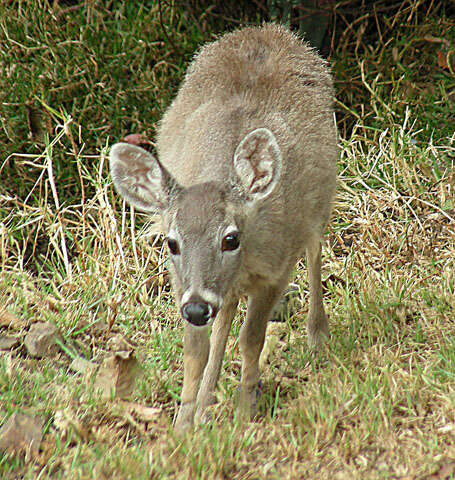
{"points": [[22, 433], [40, 338]]}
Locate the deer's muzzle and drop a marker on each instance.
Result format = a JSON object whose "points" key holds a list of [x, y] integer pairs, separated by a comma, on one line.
{"points": [[197, 312]]}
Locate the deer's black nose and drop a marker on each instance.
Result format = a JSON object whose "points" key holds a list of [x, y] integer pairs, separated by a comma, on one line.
{"points": [[197, 313]]}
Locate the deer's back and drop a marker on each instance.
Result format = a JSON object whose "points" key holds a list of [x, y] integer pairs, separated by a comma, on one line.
{"points": [[253, 78]]}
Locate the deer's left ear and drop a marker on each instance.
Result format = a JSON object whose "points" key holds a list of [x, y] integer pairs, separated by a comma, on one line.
{"points": [[258, 163]]}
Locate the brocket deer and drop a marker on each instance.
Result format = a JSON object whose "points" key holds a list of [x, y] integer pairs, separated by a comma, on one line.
{"points": [[243, 180]]}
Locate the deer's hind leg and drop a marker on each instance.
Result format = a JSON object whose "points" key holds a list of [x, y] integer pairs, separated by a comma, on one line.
{"points": [[318, 326]]}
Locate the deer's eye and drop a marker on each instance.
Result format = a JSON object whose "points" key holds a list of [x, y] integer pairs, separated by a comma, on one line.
{"points": [[230, 242], [173, 246]]}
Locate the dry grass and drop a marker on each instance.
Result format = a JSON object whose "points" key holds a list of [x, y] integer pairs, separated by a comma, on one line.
{"points": [[379, 402]]}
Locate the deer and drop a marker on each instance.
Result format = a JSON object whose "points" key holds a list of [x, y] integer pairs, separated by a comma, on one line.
{"points": [[243, 182]]}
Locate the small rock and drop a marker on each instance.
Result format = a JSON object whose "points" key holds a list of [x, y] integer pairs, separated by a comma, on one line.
{"points": [[40, 338], [21, 433]]}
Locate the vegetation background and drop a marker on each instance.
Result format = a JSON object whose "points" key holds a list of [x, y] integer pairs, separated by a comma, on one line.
{"points": [[379, 402]]}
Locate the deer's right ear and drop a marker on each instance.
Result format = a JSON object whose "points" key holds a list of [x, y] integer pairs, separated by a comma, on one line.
{"points": [[140, 178], [258, 163]]}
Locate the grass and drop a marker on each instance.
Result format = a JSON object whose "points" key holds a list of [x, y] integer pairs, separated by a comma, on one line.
{"points": [[378, 402]]}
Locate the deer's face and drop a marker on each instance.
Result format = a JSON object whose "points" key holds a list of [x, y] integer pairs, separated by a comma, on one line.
{"points": [[204, 236]]}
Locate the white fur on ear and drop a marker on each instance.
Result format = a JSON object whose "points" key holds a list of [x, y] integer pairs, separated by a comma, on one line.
{"points": [[258, 163], [138, 177]]}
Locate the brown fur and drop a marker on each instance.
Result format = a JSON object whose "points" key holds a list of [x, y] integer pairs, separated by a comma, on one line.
{"points": [[257, 78]]}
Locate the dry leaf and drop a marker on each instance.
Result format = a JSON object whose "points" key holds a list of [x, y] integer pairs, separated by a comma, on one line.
{"points": [[9, 320], [40, 338], [64, 420], [431, 39], [136, 139], [447, 428], [7, 342], [21, 433], [139, 140], [443, 60], [141, 412], [118, 343], [38, 122], [444, 473], [52, 303], [117, 375], [395, 54], [81, 365], [9, 364]]}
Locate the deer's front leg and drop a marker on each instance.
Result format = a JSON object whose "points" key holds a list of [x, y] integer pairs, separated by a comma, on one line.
{"points": [[196, 351], [318, 326], [252, 335], [220, 332]]}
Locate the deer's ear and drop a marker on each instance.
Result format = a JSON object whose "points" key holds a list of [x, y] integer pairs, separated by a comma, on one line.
{"points": [[140, 178], [258, 163]]}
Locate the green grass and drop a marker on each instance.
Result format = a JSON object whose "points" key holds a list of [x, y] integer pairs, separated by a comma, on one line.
{"points": [[378, 402]]}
